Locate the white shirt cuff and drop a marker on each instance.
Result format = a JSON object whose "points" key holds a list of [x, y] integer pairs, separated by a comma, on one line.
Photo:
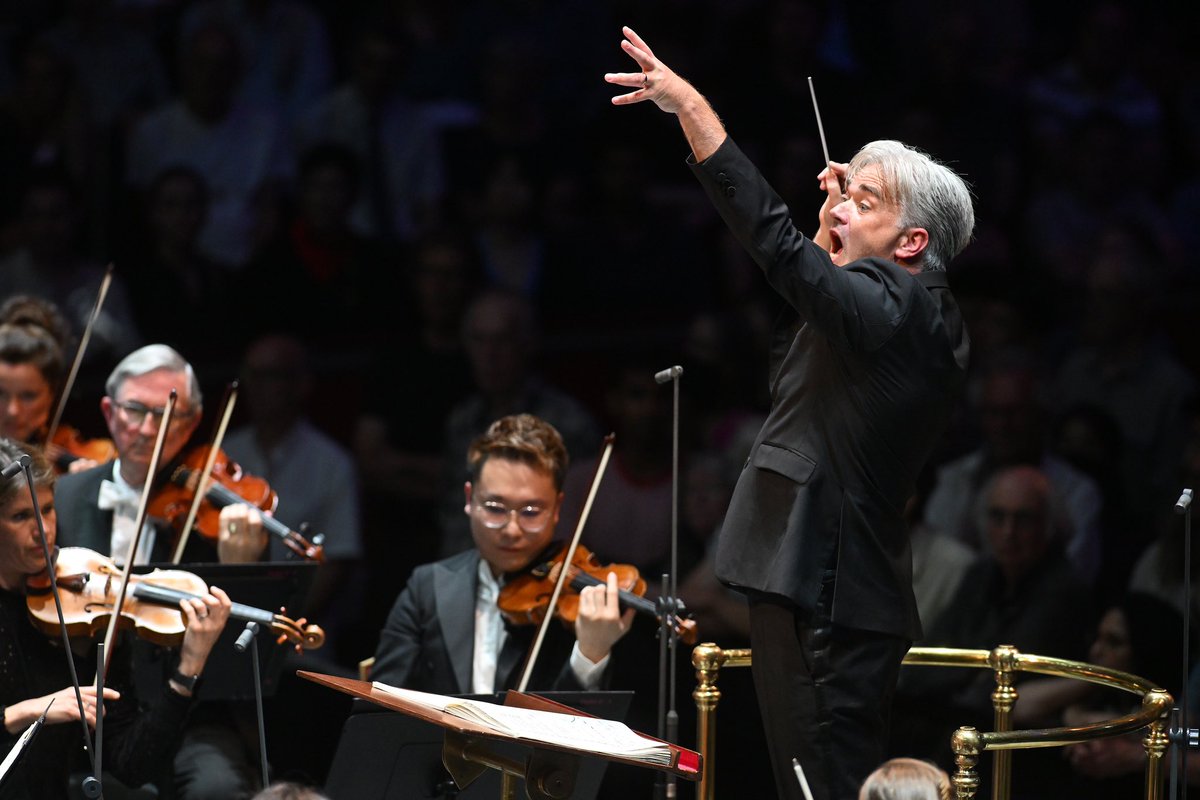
{"points": [[588, 673]]}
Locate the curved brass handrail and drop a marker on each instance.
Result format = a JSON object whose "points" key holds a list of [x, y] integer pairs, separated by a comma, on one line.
{"points": [[968, 743]]}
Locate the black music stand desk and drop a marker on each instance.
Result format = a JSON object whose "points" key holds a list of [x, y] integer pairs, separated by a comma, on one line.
{"points": [[469, 749]]}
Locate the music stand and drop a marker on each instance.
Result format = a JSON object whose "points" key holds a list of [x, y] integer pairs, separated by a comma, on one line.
{"points": [[386, 756], [267, 585], [470, 749]]}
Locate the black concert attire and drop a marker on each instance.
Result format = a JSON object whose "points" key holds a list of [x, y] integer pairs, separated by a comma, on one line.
{"points": [[428, 643], [865, 363], [138, 742]]}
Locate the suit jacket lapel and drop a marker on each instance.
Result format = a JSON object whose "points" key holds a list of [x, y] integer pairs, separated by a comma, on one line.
{"points": [[454, 593]]}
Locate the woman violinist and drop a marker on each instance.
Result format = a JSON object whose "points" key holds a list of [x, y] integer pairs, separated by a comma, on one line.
{"points": [[32, 372], [33, 669]]}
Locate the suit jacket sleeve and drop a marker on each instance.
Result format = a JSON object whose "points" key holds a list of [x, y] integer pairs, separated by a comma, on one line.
{"points": [[401, 642], [857, 307]]}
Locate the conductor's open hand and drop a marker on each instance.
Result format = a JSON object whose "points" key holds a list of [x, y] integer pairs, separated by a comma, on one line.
{"points": [[654, 80], [600, 622]]}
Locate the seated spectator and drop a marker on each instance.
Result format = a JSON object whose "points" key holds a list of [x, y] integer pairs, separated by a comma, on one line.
{"points": [[1011, 419], [240, 149], [1022, 592]]}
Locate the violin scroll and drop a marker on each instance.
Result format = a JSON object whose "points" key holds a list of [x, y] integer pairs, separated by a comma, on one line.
{"points": [[302, 634]]}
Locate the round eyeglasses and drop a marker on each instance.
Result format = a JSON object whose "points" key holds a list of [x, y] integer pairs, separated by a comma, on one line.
{"points": [[495, 516]]}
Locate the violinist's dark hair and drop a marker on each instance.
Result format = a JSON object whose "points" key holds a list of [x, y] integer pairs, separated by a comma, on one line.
{"points": [[26, 309], [39, 468], [524, 438], [22, 343]]}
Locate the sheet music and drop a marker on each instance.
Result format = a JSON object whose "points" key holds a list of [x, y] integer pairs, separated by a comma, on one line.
{"points": [[589, 734], [22, 743]]}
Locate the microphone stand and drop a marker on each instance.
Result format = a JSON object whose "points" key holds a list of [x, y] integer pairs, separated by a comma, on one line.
{"points": [[92, 786], [1181, 737], [251, 633], [669, 606]]}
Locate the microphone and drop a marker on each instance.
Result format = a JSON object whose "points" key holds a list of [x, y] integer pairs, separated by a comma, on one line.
{"points": [[1185, 500], [12, 469], [667, 374], [244, 638]]}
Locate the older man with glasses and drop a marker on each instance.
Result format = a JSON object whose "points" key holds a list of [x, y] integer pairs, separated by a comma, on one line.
{"points": [[445, 633], [98, 507]]}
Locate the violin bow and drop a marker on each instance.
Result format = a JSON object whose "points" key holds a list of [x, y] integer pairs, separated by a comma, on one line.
{"points": [[79, 351], [206, 473], [570, 555], [127, 568]]}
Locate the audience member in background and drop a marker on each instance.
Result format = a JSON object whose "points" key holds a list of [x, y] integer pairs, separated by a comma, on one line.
{"points": [[168, 271], [722, 614], [940, 562], [1012, 421], [500, 337], [906, 779], [1160, 569], [241, 150], [313, 475], [1022, 592], [1122, 364], [403, 185], [630, 521], [1139, 634], [49, 265], [285, 50], [44, 122], [1088, 438], [399, 437], [319, 279]]}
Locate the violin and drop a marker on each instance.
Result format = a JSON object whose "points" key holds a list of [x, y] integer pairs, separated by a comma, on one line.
{"points": [[68, 445], [524, 598], [229, 484], [87, 583]]}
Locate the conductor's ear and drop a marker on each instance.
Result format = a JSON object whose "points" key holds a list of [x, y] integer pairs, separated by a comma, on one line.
{"points": [[912, 244]]}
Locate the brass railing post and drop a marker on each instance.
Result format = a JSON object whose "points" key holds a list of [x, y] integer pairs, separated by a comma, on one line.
{"points": [[965, 743], [1156, 743], [1003, 661], [707, 658]]}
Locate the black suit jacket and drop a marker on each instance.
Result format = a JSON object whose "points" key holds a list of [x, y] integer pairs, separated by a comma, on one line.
{"points": [[82, 523], [865, 363], [428, 643]]}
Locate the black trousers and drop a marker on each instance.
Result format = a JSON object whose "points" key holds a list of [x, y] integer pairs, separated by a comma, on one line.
{"points": [[825, 692]]}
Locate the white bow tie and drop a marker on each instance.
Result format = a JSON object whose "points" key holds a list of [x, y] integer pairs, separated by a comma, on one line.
{"points": [[118, 497]]}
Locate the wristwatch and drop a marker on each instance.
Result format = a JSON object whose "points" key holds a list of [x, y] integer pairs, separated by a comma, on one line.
{"points": [[186, 681]]}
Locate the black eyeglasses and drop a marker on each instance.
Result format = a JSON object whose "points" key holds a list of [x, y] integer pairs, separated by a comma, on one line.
{"points": [[135, 413]]}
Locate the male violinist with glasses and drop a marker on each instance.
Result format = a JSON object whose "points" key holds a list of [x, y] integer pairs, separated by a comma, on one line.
{"points": [[98, 509], [446, 634]]}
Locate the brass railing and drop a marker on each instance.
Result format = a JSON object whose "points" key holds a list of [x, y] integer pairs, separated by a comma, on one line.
{"points": [[968, 743]]}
